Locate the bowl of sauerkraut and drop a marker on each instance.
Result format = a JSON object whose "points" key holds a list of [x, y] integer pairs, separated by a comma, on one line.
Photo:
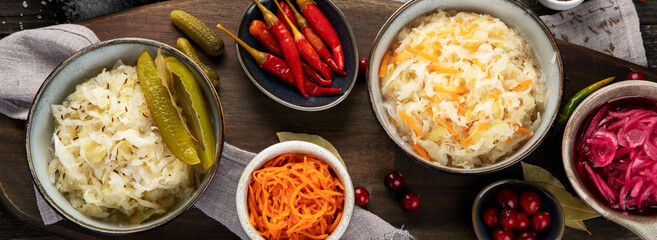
{"points": [[95, 151], [465, 87]]}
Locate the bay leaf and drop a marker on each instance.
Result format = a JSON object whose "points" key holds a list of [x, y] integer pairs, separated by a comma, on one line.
{"points": [[311, 138], [165, 76], [534, 173], [186, 102], [579, 225]]}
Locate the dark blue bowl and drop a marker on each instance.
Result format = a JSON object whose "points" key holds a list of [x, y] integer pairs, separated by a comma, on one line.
{"points": [[486, 198], [287, 94]]}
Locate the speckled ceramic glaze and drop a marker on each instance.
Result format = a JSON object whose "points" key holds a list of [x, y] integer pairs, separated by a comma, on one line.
{"points": [[279, 90], [294, 147], [82, 65], [514, 14], [486, 198], [560, 5], [644, 226]]}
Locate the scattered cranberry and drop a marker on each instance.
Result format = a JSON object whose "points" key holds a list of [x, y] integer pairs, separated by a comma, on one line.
{"points": [[526, 235], [410, 202], [522, 221], [394, 180], [502, 234], [362, 196], [508, 218], [506, 198], [490, 216], [530, 202], [636, 75], [540, 221], [362, 66]]}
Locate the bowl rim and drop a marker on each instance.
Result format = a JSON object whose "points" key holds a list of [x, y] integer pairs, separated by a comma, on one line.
{"points": [[266, 155], [169, 215], [567, 150], [560, 5], [478, 170], [486, 190], [344, 93]]}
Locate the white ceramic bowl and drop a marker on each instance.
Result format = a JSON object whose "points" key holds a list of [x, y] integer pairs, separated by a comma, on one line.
{"points": [[560, 5], [514, 14], [295, 147], [62, 81]]}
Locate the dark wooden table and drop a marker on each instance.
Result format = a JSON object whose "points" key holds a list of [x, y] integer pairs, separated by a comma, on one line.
{"points": [[251, 122]]}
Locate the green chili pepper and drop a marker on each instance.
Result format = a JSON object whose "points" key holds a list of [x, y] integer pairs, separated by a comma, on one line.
{"points": [[579, 96]]}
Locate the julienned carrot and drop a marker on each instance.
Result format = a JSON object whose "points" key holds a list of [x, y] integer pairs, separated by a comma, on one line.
{"points": [[384, 64], [287, 45], [313, 38], [278, 67], [295, 196], [421, 151], [479, 128], [411, 123], [260, 32], [306, 51], [522, 86], [323, 27]]}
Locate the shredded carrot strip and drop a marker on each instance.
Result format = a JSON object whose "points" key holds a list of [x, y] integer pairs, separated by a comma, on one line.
{"points": [[522, 86], [450, 89], [400, 57], [445, 125], [421, 151], [408, 120], [479, 64], [422, 54], [384, 65], [431, 99], [295, 196], [469, 29], [442, 69], [393, 121], [522, 130], [479, 128], [508, 140], [493, 96]]}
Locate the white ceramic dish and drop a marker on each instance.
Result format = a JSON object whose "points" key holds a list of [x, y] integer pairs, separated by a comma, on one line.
{"points": [[513, 13], [295, 147], [62, 81], [560, 5], [644, 226]]}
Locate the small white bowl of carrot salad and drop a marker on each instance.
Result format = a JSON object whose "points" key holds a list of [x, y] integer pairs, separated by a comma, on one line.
{"points": [[295, 190]]}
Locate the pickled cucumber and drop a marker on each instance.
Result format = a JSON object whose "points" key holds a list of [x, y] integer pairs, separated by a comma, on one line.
{"points": [[166, 117], [200, 33], [208, 149], [184, 46]]}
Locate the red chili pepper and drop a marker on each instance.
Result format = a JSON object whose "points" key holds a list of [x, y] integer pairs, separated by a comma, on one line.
{"points": [[324, 28], [267, 39], [313, 38], [261, 32], [306, 50], [287, 45], [285, 9], [278, 67]]}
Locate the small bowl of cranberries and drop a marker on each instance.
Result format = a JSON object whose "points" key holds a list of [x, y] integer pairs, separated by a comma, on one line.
{"points": [[515, 209]]}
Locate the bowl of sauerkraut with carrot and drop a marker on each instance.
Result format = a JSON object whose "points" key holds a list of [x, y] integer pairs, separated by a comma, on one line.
{"points": [[295, 190], [463, 87]]}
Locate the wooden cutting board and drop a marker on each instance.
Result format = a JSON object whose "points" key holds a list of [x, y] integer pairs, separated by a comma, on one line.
{"points": [[252, 120]]}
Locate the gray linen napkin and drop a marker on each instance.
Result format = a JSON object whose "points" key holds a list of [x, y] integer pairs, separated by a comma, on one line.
{"points": [[608, 26], [29, 56]]}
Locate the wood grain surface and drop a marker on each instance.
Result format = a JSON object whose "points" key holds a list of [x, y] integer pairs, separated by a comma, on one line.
{"points": [[252, 120]]}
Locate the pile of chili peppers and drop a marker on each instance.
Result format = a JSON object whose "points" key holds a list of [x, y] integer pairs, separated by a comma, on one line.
{"points": [[303, 51]]}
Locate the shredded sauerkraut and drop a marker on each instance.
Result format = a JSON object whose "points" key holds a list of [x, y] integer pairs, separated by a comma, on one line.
{"points": [[109, 158], [463, 88]]}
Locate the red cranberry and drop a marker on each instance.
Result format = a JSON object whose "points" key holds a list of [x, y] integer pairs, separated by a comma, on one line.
{"points": [[506, 199], [530, 202], [526, 235], [394, 180], [522, 221], [362, 66], [508, 218], [362, 196], [540, 221], [502, 234], [636, 75], [410, 202], [490, 216]]}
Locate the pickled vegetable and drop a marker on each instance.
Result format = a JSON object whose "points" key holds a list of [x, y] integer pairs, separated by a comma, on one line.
{"points": [[200, 33], [184, 46], [164, 112], [207, 148]]}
